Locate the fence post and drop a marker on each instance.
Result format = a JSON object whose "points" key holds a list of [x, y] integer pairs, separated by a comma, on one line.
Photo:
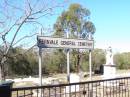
{"points": [[5, 89]]}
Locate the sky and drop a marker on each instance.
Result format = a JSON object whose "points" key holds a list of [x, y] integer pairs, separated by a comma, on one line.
{"points": [[112, 21], [110, 17]]}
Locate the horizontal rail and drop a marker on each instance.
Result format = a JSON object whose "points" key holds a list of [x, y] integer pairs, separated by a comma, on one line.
{"points": [[119, 87]]}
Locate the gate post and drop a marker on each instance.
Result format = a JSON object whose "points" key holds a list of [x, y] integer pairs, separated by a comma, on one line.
{"points": [[5, 89]]}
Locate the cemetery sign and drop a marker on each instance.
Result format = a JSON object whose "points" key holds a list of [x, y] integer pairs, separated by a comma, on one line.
{"points": [[51, 42]]}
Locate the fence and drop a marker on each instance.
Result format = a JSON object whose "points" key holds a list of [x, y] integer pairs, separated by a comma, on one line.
{"points": [[117, 87]]}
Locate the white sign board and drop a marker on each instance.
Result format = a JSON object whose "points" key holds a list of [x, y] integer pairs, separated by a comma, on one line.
{"points": [[49, 42]]}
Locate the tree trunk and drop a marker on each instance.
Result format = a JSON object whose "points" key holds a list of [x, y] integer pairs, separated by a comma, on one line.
{"points": [[2, 76], [2, 70], [78, 63], [0, 73]]}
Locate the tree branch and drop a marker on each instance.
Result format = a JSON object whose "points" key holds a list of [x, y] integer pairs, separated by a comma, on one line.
{"points": [[24, 38], [45, 10], [16, 33], [13, 6], [29, 5], [41, 16], [8, 30]]}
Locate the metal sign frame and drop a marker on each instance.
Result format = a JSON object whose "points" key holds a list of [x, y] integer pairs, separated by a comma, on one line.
{"points": [[51, 42]]}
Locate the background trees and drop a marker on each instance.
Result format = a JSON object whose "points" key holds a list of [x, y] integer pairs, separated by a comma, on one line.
{"points": [[98, 58], [54, 61], [122, 60], [21, 64]]}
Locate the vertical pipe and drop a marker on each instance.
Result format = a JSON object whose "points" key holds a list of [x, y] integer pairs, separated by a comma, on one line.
{"points": [[40, 70], [90, 74], [90, 64], [40, 66], [68, 65], [90, 57]]}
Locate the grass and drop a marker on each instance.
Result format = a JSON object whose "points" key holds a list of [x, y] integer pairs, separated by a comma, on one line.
{"points": [[63, 78], [24, 84]]}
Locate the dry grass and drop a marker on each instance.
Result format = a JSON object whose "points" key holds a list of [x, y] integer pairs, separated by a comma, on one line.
{"points": [[63, 78], [24, 84]]}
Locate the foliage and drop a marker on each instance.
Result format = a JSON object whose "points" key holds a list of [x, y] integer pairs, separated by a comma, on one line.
{"points": [[22, 64], [122, 60], [98, 58], [54, 61], [74, 21]]}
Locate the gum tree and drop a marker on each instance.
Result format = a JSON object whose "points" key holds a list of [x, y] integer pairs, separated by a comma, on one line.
{"points": [[76, 22]]}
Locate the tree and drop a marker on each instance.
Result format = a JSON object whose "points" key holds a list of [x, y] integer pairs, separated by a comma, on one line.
{"points": [[18, 19], [54, 62], [98, 58], [21, 64], [76, 22], [122, 60]]}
